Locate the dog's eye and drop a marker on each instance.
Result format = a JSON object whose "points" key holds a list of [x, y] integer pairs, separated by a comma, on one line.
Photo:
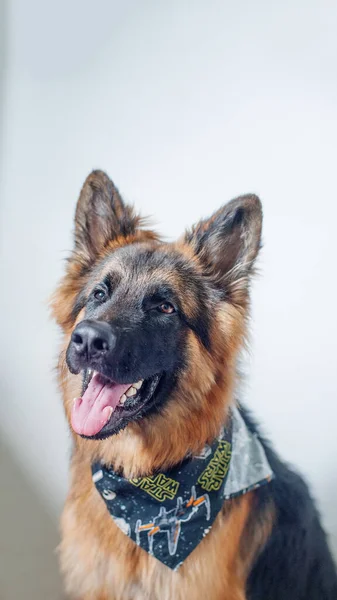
{"points": [[167, 308], [100, 294]]}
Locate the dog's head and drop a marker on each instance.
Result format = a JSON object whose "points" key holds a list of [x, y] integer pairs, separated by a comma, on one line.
{"points": [[152, 329]]}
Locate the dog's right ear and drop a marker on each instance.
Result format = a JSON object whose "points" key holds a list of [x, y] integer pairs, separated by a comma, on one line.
{"points": [[101, 216]]}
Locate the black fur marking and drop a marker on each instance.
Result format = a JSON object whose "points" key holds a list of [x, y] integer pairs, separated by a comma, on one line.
{"points": [[79, 304], [296, 563], [200, 326], [161, 293], [107, 281]]}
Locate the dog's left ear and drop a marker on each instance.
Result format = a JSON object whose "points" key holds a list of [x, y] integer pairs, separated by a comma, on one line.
{"points": [[228, 242]]}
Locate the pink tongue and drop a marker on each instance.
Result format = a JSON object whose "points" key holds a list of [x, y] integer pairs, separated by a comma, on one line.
{"points": [[90, 413]]}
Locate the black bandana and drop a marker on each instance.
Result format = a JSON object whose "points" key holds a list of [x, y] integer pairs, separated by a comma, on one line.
{"points": [[168, 514]]}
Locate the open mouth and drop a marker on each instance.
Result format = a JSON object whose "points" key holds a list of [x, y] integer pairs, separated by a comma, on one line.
{"points": [[106, 406]]}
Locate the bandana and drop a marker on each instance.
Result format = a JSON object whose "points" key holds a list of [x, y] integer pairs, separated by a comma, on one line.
{"points": [[168, 514]]}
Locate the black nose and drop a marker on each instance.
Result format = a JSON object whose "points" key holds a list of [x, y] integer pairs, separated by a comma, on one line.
{"points": [[93, 339]]}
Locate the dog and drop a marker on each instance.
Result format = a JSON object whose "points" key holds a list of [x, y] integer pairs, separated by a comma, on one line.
{"points": [[174, 493]]}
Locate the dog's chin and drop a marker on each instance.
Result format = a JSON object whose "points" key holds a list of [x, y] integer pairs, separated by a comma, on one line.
{"points": [[134, 403]]}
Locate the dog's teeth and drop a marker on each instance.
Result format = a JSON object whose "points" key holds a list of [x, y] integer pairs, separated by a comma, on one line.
{"points": [[139, 384], [122, 400], [131, 392], [108, 411], [89, 371]]}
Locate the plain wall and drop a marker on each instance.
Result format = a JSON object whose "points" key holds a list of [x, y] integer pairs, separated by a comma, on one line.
{"points": [[185, 105]]}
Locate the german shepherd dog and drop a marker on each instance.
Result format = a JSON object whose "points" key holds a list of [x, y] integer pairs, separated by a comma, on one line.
{"points": [[148, 371]]}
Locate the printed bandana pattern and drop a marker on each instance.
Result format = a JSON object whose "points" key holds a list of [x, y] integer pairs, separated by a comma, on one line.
{"points": [[168, 514]]}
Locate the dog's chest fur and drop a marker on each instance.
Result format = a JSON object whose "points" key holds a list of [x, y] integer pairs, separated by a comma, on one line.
{"points": [[101, 563]]}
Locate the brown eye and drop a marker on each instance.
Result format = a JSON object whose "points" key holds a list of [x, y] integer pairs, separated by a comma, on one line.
{"points": [[167, 308], [100, 295]]}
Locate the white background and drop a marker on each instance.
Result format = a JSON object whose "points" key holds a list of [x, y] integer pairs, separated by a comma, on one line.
{"points": [[185, 105]]}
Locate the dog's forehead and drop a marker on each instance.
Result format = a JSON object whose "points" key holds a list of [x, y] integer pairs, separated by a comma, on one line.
{"points": [[145, 262]]}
